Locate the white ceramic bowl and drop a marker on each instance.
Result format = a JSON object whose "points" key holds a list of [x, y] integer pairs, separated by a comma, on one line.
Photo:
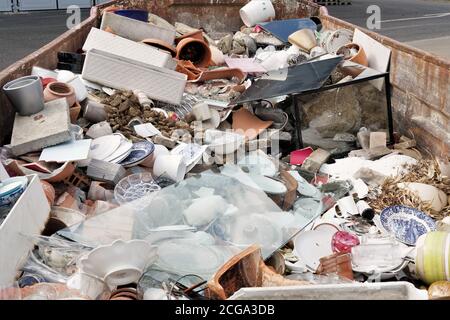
{"points": [[119, 263]]}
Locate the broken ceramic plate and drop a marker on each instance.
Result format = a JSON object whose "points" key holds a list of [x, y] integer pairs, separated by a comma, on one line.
{"points": [[184, 256], [204, 210], [245, 230], [407, 224], [269, 185], [310, 246], [427, 193], [192, 153], [258, 163], [222, 142], [121, 152], [213, 122], [304, 187], [139, 152], [104, 146], [120, 262]]}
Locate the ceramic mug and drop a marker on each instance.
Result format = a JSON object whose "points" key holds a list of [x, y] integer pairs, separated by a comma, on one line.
{"points": [[170, 166], [347, 206], [160, 150], [257, 11], [433, 257]]}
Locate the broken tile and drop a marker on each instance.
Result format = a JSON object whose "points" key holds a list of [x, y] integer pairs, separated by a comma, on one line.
{"points": [[74, 150]]}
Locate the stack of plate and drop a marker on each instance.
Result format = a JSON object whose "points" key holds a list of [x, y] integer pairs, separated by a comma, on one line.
{"points": [[115, 148]]}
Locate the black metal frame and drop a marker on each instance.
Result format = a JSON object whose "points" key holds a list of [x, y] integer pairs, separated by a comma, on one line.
{"points": [[387, 83]]}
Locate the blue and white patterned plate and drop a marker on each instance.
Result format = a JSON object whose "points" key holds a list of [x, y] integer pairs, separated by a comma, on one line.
{"points": [[139, 152], [407, 224]]}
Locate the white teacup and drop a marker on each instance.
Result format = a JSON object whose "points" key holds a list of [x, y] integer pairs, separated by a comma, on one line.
{"points": [[169, 166], [160, 150]]}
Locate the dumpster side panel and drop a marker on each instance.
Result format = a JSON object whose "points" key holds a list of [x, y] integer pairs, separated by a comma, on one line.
{"points": [[217, 16], [420, 91], [45, 57]]}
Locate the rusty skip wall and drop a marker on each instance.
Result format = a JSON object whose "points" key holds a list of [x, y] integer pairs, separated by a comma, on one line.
{"points": [[420, 81], [420, 91]]}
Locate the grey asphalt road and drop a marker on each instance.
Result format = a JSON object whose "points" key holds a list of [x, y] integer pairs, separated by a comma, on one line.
{"points": [[23, 33], [421, 23]]}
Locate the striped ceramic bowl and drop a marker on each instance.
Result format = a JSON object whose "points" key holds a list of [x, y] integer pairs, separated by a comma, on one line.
{"points": [[433, 256]]}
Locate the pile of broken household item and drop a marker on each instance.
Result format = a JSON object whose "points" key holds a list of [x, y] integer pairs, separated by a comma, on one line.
{"points": [[134, 173]]}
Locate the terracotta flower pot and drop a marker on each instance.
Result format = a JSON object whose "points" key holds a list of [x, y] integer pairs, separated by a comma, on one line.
{"points": [[161, 45], [194, 50], [75, 112], [58, 90], [359, 58], [49, 192], [196, 35]]}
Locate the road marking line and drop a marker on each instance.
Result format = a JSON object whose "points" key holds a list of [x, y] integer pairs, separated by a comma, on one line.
{"points": [[427, 16]]}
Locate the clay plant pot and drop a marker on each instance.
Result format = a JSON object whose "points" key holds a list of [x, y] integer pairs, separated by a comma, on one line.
{"points": [[248, 124], [194, 50], [58, 90], [195, 34], [359, 58], [74, 112], [49, 192], [161, 45]]}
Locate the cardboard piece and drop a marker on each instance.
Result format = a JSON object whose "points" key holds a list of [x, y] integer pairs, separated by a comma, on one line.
{"points": [[74, 150]]}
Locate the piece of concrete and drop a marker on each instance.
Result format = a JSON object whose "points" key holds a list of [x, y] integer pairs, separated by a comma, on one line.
{"points": [[370, 154], [364, 139], [99, 130], [405, 143], [377, 139], [315, 160], [105, 171], [166, 142], [47, 128]]}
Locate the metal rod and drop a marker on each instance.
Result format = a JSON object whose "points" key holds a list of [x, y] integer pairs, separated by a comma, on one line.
{"points": [[389, 108], [298, 122]]}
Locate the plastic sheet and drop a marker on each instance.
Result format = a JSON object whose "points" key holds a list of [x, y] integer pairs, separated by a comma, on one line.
{"points": [[209, 213]]}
